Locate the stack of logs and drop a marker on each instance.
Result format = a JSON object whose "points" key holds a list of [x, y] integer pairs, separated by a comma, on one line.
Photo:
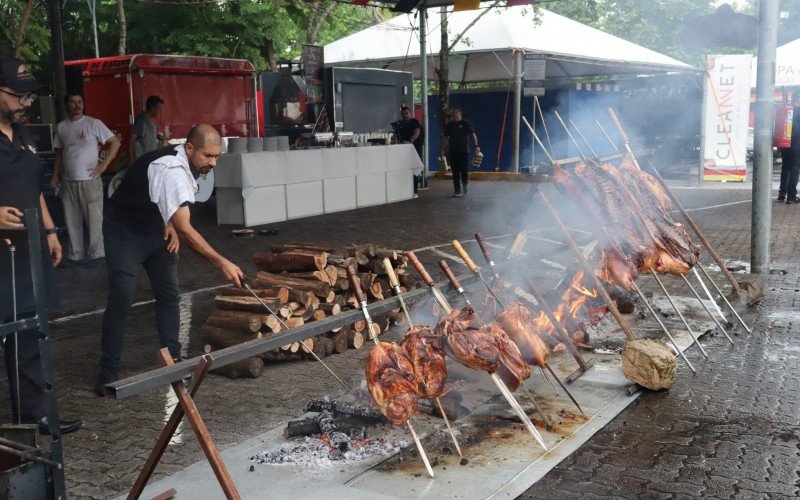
{"points": [[301, 283]]}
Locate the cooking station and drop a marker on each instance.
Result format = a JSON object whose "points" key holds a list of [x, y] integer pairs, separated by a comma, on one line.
{"points": [[265, 187]]}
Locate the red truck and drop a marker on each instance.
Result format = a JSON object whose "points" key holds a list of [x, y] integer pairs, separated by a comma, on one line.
{"points": [[195, 90]]}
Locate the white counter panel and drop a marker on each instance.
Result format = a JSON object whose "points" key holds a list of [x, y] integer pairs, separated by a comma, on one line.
{"points": [[399, 185], [304, 199], [339, 194], [371, 189]]}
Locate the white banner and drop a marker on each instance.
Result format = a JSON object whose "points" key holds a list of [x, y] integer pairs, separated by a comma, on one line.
{"points": [[726, 117]]}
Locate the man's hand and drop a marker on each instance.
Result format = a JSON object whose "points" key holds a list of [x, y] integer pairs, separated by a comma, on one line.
{"points": [[231, 272], [10, 217], [55, 181], [55, 248], [171, 237], [97, 171]]}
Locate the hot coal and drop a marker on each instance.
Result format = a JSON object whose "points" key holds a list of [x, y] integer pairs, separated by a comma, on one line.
{"points": [[318, 452]]}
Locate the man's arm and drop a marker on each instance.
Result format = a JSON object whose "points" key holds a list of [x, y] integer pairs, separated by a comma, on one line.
{"points": [[182, 223], [415, 135], [113, 146], [53, 245], [474, 139], [131, 148], [58, 167]]}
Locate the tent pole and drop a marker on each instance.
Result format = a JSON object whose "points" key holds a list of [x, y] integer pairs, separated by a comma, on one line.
{"points": [[423, 55], [517, 110]]}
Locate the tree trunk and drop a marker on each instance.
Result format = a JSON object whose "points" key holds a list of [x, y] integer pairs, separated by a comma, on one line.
{"points": [[443, 76], [272, 59], [21, 30], [123, 29]]}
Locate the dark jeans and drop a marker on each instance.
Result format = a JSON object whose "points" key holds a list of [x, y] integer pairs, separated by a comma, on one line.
{"points": [[459, 162], [31, 381], [126, 250], [790, 169]]}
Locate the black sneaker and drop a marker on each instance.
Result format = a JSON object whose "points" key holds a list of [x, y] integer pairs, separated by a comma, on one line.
{"points": [[66, 426], [456, 195], [781, 197], [107, 376], [466, 191], [791, 201]]}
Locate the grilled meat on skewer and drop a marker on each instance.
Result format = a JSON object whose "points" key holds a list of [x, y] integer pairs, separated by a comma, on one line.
{"points": [[513, 369], [518, 323], [465, 343], [391, 381], [425, 350]]}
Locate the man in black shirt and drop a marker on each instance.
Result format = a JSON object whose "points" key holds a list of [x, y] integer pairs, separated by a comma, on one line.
{"points": [[791, 161], [410, 132], [456, 146]]}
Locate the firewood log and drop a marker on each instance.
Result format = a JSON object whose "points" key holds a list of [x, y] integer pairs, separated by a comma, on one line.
{"points": [[342, 284], [320, 289], [323, 347], [268, 321], [318, 315], [397, 317], [331, 309], [306, 345], [368, 250], [294, 347], [375, 292], [281, 356], [374, 266], [311, 275], [301, 297], [342, 263], [386, 287], [250, 304], [280, 293], [247, 324], [290, 261], [360, 325], [294, 322], [382, 322], [366, 279], [310, 247], [355, 339], [385, 253], [332, 273], [340, 342], [372, 333], [340, 300], [226, 338], [244, 368]]}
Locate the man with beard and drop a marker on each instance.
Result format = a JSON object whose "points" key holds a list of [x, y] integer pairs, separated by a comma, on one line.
{"points": [[77, 169], [410, 132], [144, 220], [21, 189]]}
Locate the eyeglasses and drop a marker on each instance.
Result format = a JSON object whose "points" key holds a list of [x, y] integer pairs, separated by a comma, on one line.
{"points": [[24, 99]]}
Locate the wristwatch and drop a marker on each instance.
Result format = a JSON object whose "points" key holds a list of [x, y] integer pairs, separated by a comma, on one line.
{"points": [[52, 230]]}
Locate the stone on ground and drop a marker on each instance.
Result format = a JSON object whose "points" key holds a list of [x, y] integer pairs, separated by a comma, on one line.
{"points": [[649, 363]]}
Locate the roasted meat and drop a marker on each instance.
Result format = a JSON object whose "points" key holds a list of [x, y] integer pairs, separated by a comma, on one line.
{"points": [[425, 351], [391, 381], [518, 322], [466, 343], [513, 369]]}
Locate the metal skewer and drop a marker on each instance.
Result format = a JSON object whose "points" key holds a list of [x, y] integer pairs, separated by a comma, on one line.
{"points": [[719, 325], [724, 298], [311, 351], [477, 270], [387, 265], [495, 378], [362, 300]]}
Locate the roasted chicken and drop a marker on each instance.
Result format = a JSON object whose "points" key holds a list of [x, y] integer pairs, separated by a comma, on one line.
{"points": [[425, 350], [464, 342], [391, 381]]}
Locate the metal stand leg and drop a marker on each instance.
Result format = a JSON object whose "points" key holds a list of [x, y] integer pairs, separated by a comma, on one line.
{"points": [[680, 315]]}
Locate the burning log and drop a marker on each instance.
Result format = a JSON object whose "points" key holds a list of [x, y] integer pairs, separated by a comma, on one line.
{"points": [[310, 426], [344, 408], [244, 368], [335, 437], [290, 261]]}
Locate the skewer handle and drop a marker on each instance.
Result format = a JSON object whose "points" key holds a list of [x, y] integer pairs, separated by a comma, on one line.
{"points": [[387, 265], [420, 269], [356, 284], [617, 125], [465, 256], [451, 276], [484, 248]]}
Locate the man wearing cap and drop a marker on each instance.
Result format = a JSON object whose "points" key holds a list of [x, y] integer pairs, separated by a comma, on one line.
{"points": [[144, 137], [144, 220], [21, 172], [77, 169]]}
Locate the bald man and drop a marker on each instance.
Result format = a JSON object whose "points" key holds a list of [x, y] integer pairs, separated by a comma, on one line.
{"points": [[144, 222]]}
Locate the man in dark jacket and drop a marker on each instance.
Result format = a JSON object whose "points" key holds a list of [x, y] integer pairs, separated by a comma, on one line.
{"points": [[457, 134]]}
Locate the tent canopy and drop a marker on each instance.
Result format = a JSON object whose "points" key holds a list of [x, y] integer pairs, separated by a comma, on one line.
{"points": [[485, 53], [787, 66]]}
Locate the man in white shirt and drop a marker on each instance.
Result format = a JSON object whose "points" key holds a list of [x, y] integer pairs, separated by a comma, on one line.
{"points": [[77, 169], [145, 219]]}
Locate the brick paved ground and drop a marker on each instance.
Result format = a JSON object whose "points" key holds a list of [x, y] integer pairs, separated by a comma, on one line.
{"points": [[730, 430]]}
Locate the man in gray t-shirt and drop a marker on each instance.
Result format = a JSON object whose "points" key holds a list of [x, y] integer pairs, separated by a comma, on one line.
{"points": [[144, 137]]}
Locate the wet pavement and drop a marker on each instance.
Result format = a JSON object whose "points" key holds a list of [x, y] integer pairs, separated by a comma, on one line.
{"points": [[732, 430]]}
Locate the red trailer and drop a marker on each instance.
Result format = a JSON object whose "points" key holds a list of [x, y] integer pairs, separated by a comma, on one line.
{"points": [[195, 90]]}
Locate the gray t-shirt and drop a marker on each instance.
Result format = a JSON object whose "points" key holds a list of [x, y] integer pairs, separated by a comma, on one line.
{"points": [[145, 131]]}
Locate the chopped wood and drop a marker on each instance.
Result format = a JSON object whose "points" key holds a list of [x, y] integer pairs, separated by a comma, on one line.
{"points": [[226, 338], [382, 322], [368, 250], [366, 279], [291, 247], [342, 284], [310, 426], [323, 347], [250, 304], [397, 317], [331, 309], [244, 368], [301, 297], [246, 324], [332, 273], [385, 253], [320, 289], [374, 266], [294, 347], [294, 322], [279, 293], [355, 339], [311, 275], [339, 341], [360, 325], [373, 332], [318, 315], [290, 261], [281, 356], [342, 263], [375, 292], [306, 345], [385, 286]]}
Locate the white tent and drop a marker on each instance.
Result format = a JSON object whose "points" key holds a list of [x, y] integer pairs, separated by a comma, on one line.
{"points": [[485, 52], [787, 66]]}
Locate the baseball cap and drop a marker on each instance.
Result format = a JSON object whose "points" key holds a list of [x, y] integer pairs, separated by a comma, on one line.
{"points": [[17, 76]]}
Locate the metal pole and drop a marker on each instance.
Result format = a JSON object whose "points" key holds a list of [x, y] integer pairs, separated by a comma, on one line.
{"points": [[761, 220], [423, 75], [518, 57], [93, 10], [57, 45]]}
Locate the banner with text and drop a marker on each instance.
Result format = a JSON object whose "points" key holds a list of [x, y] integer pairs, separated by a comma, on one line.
{"points": [[726, 113]]}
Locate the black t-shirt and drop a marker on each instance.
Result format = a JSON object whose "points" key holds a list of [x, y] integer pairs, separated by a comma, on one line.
{"points": [[407, 131], [795, 143], [130, 204], [458, 134]]}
